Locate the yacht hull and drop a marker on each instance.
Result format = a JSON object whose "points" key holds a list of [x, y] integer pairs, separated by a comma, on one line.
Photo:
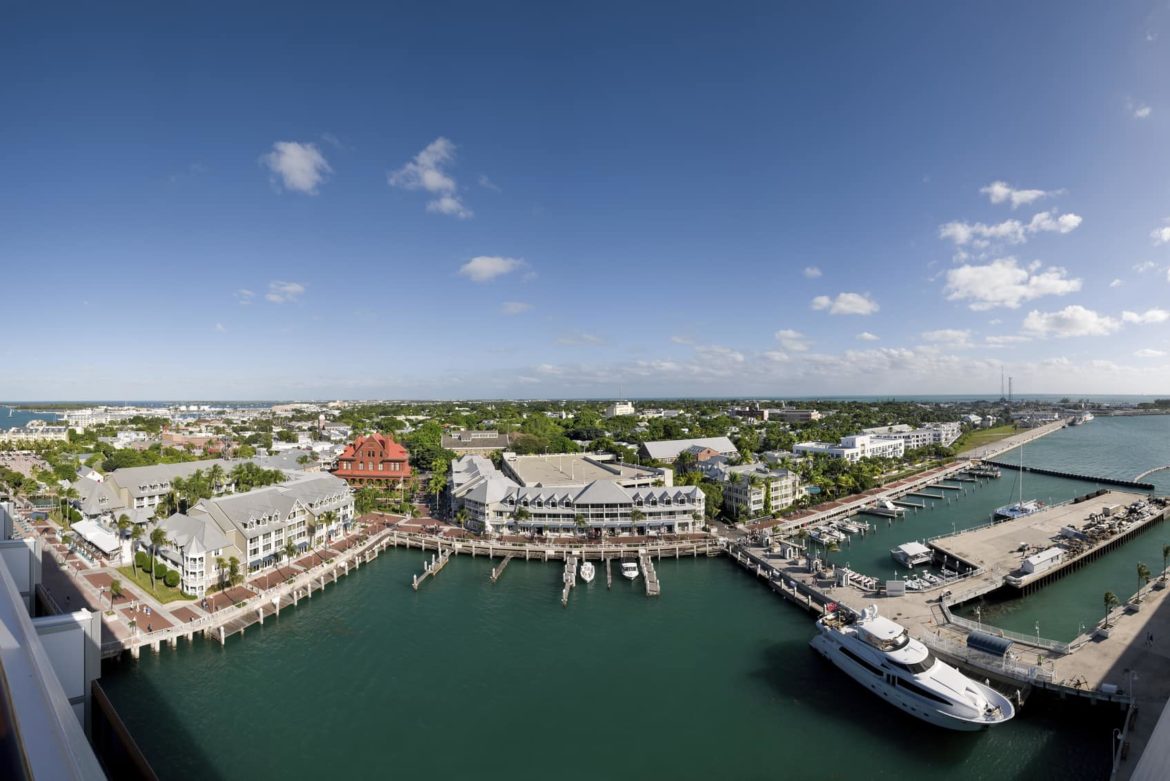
{"points": [[877, 686]]}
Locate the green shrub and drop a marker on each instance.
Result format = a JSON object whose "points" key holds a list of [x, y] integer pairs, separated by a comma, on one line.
{"points": [[142, 561], [172, 578], [160, 569]]}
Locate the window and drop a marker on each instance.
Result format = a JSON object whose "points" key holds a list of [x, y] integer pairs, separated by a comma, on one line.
{"points": [[860, 661], [916, 667], [921, 691]]}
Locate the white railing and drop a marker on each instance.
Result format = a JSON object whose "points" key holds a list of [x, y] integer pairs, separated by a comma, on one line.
{"points": [[982, 661], [1033, 640]]}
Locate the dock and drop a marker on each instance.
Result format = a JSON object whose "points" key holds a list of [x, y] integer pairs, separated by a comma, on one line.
{"points": [[498, 571], [433, 567], [569, 579], [608, 573], [1065, 537], [649, 575]]}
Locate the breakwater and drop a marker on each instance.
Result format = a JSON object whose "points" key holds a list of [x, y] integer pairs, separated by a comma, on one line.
{"points": [[1071, 476]]}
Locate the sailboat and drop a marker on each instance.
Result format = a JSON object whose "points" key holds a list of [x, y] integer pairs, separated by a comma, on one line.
{"points": [[1021, 508]]}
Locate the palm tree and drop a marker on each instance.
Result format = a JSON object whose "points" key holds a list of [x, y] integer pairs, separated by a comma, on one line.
{"points": [[220, 564], [277, 555], [462, 516], [158, 538], [215, 476], [1111, 602], [327, 519], [115, 591], [136, 533], [290, 550], [123, 524], [234, 570], [1143, 573]]}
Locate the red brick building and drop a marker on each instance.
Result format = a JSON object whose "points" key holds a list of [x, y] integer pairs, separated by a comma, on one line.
{"points": [[374, 460]]}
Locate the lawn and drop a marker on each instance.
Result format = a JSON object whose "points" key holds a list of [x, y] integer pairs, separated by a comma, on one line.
{"points": [[984, 436], [161, 591]]}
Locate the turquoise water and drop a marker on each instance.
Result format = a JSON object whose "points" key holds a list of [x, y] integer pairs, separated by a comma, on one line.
{"points": [[715, 678]]}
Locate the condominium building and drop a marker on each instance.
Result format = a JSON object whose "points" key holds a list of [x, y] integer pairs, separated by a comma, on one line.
{"points": [[616, 499], [258, 523], [913, 438], [196, 545], [141, 488], [854, 448], [753, 490]]}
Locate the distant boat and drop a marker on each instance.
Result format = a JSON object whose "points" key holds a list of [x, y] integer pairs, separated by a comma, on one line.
{"points": [[587, 571], [630, 570]]}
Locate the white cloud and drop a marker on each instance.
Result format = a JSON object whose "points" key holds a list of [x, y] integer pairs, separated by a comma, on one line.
{"points": [[1116, 283], [219, 328], [1001, 192], [1144, 266], [1005, 283], [1073, 320], [1005, 341], [485, 268], [866, 336], [949, 337], [428, 172], [1009, 231], [846, 304], [580, 339], [245, 296], [682, 340], [792, 340], [1161, 235], [811, 272], [515, 307], [1149, 353], [488, 184], [449, 205], [718, 354], [1147, 317], [301, 167], [284, 292], [1142, 111]]}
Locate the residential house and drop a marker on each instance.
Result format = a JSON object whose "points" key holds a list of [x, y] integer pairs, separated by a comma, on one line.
{"points": [[374, 460]]}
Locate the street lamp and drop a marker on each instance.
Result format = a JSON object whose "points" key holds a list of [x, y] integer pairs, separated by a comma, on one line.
{"points": [[1037, 633], [979, 617]]}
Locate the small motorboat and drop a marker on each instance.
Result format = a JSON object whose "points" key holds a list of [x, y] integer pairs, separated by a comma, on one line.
{"points": [[587, 571], [630, 570]]}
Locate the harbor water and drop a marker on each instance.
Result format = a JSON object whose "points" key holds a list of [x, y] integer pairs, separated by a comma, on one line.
{"points": [[714, 678]]}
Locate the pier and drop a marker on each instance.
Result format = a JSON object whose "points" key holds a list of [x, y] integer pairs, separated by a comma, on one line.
{"points": [[649, 575], [434, 567], [569, 579], [498, 571]]}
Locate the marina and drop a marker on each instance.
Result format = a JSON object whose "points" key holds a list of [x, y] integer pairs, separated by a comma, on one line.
{"points": [[1035, 667]]}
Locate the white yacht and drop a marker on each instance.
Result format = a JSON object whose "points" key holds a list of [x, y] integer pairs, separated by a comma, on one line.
{"points": [[630, 570], [880, 655], [912, 554], [587, 571]]}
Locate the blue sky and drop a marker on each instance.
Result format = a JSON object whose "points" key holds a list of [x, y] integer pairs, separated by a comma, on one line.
{"points": [[457, 200]]}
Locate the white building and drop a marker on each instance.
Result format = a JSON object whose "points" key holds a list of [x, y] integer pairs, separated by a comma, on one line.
{"points": [[754, 490], [261, 522], [619, 408], [854, 448], [196, 546], [931, 434], [497, 502]]}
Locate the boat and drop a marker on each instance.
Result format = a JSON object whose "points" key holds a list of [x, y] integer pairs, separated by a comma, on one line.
{"points": [[1019, 508], [587, 571], [912, 554], [848, 527], [630, 570], [1009, 512], [879, 654], [827, 536]]}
